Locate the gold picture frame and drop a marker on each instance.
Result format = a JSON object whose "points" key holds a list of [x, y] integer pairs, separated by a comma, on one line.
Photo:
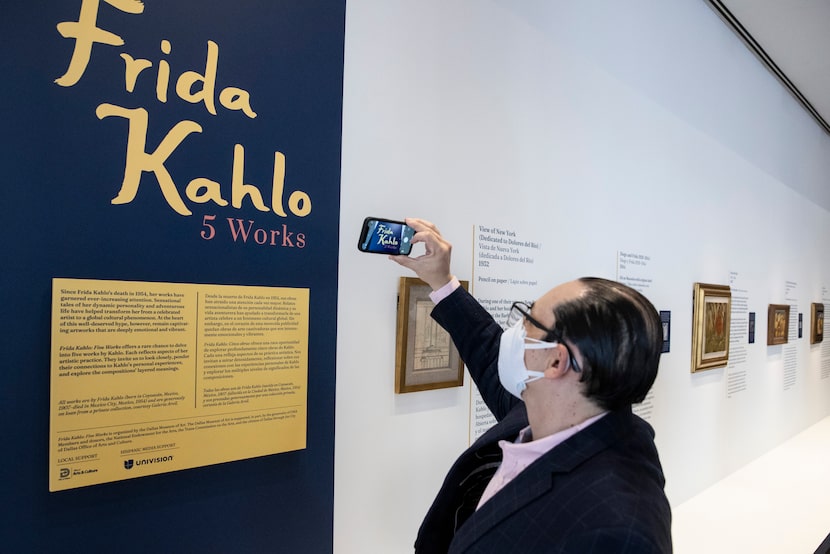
{"points": [[778, 324], [817, 323], [425, 356], [712, 311]]}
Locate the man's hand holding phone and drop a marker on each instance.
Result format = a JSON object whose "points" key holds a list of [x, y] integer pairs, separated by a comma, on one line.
{"points": [[433, 266]]}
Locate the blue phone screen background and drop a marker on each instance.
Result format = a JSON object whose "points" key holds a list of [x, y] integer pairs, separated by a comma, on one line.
{"points": [[388, 238]]}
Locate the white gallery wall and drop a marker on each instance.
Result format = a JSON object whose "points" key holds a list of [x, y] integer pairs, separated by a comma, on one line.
{"points": [[598, 127]]}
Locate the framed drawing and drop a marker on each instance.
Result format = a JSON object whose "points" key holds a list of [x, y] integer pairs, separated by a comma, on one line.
{"points": [[425, 357], [778, 324], [712, 309], [817, 323]]}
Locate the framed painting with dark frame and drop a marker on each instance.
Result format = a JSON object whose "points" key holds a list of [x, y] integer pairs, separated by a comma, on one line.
{"points": [[778, 324], [712, 309], [425, 357], [817, 323]]}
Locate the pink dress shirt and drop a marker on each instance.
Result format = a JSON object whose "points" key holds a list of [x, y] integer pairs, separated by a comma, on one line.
{"points": [[518, 455]]}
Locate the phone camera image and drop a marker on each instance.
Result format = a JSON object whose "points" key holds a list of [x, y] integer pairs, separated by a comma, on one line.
{"points": [[384, 236]]}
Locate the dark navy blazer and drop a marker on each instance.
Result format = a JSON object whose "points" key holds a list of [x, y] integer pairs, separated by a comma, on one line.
{"points": [[599, 491]]}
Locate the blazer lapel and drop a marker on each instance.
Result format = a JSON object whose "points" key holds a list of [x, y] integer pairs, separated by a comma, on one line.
{"points": [[536, 480]]}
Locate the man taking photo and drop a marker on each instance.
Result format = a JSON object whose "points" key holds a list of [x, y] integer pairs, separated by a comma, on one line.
{"points": [[568, 467]]}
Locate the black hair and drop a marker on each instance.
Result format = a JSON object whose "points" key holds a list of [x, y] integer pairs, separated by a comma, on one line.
{"points": [[619, 333]]}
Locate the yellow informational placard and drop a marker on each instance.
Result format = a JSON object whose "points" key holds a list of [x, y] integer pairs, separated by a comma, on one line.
{"points": [[148, 378]]}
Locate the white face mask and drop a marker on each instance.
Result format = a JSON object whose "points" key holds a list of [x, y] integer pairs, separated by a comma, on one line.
{"points": [[513, 372]]}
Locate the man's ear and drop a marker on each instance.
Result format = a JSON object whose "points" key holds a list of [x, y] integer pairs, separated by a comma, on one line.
{"points": [[559, 362]]}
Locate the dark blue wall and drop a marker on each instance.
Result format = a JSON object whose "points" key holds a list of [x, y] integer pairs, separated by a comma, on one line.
{"points": [[62, 166]]}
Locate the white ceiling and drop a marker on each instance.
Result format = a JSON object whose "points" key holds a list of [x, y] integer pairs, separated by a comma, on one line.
{"points": [[793, 38]]}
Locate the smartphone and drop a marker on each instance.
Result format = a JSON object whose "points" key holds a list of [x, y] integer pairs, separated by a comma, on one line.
{"points": [[385, 236]]}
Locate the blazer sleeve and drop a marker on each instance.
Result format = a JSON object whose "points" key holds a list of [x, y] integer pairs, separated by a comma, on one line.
{"points": [[477, 336], [622, 540]]}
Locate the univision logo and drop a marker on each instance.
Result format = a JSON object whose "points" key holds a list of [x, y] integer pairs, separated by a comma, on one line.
{"points": [[128, 464]]}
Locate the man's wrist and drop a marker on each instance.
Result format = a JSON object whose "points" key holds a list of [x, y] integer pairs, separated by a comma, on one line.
{"points": [[441, 293]]}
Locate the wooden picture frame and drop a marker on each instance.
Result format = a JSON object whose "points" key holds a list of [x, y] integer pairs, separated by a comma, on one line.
{"points": [[778, 324], [425, 356], [712, 311], [817, 323]]}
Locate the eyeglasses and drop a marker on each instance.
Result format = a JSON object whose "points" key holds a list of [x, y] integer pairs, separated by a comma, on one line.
{"points": [[521, 311]]}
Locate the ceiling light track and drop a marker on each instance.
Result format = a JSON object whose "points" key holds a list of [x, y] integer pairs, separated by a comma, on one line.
{"points": [[756, 48]]}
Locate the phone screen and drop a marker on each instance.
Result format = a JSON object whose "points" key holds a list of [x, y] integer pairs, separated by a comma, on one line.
{"points": [[385, 236]]}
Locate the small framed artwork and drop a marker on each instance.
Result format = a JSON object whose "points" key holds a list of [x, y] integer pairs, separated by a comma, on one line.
{"points": [[817, 323], [665, 321], [425, 357], [712, 310], [778, 324]]}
